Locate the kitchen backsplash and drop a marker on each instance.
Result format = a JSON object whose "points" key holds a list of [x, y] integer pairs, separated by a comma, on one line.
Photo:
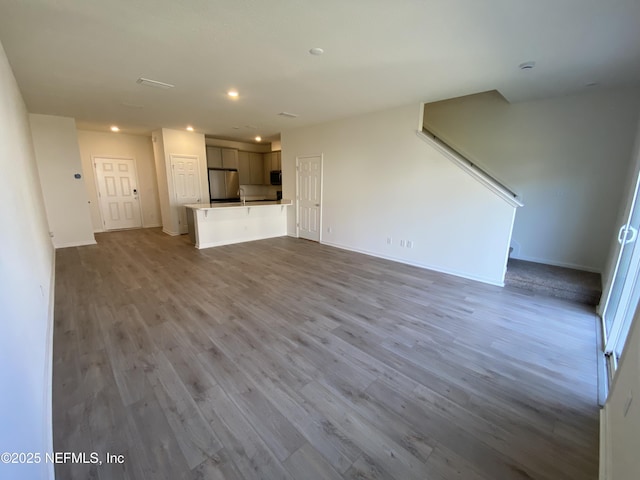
{"points": [[260, 191]]}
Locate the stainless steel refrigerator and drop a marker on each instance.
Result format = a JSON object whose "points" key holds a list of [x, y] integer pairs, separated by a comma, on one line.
{"points": [[224, 185]]}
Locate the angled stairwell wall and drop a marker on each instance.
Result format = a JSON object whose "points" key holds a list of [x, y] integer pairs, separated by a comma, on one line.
{"points": [[566, 157], [381, 182]]}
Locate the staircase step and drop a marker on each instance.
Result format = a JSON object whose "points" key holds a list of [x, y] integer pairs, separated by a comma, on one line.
{"points": [[549, 280]]}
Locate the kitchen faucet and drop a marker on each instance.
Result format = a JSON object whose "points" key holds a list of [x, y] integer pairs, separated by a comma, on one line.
{"points": [[243, 196]]}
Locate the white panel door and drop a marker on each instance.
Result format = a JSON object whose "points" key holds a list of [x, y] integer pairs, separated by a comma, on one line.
{"points": [[186, 185], [118, 193], [309, 197]]}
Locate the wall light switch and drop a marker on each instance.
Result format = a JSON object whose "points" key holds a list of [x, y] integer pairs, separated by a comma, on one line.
{"points": [[402, 243], [389, 240], [409, 244]]}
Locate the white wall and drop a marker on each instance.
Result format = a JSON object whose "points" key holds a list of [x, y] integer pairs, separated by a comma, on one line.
{"points": [[566, 157], [26, 291], [107, 144], [169, 142], [622, 431], [55, 142], [380, 180]]}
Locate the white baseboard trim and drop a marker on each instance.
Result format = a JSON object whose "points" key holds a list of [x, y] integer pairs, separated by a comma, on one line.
{"points": [[75, 244], [173, 234], [417, 264], [605, 446], [152, 225], [48, 468], [575, 266]]}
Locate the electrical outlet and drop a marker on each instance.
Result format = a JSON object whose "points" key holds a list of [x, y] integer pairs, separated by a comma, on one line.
{"points": [[409, 244], [402, 243], [389, 241]]}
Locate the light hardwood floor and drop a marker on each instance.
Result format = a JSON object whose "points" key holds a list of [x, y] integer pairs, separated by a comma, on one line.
{"points": [[286, 359]]}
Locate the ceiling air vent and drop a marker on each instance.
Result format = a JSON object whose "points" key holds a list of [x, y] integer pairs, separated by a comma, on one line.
{"points": [[288, 115], [153, 83]]}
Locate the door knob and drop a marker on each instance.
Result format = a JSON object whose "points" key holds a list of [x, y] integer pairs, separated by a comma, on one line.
{"points": [[632, 237]]}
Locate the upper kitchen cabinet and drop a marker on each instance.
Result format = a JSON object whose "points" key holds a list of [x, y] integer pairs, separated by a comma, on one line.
{"points": [[267, 168], [272, 161], [250, 168], [230, 158], [222, 157], [256, 164], [276, 160], [214, 157], [244, 168]]}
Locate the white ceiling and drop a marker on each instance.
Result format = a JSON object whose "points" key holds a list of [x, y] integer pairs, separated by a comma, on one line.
{"points": [[81, 58]]}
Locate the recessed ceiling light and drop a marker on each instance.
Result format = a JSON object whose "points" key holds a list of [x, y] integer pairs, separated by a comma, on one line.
{"points": [[190, 128], [527, 65], [258, 138], [316, 51], [233, 93], [114, 128], [147, 82]]}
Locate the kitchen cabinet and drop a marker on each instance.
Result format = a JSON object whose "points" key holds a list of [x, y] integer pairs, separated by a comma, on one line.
{"points": [[214, 157], [244, 168], [222, 157], [250, 168], [272, 161], [256, 165], [230, 158], [267, 168], [276, 160]]}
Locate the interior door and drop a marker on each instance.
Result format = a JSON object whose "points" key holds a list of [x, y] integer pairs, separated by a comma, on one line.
{"points": [[186, 185], [624, 293], [309, 197], [118, 193]]}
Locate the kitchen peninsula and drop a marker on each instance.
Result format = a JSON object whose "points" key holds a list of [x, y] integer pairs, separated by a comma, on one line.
{"points": [[215, 224]]}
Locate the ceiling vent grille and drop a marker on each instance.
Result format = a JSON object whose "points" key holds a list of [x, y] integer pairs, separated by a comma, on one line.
{"points": [[153, 83], [288, 115]]}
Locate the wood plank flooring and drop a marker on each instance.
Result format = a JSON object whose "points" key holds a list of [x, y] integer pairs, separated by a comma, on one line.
{"points": [[286, 359]]}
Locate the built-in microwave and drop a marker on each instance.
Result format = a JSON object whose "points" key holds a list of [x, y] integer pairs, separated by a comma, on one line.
{"points": [[276, 177]]}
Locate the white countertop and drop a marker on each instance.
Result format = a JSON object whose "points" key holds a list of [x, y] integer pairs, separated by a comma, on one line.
{"points": [[210, 206]]}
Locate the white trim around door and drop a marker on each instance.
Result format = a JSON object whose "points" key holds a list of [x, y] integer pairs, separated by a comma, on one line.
{"points": [[119, 201], [185, 177], [309, 197]]}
